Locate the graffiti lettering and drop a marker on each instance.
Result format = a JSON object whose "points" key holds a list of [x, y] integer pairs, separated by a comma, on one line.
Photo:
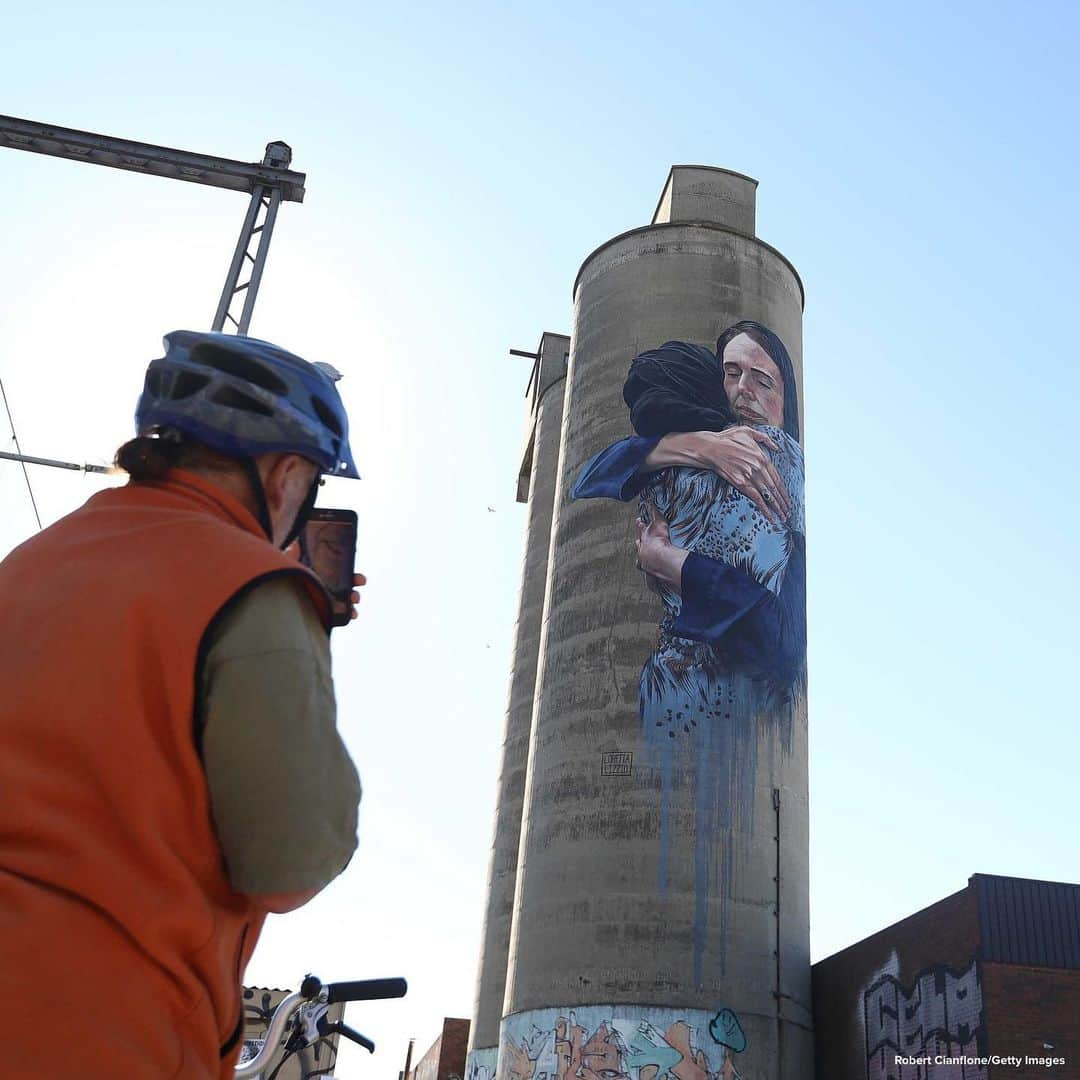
{"points": [[727, 1031], [939, 1016], [481, 1064], [619, 1043]]}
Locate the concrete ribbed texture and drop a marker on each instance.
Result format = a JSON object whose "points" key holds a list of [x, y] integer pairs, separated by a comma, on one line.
{"points": [[540, 459], [642, 899]]}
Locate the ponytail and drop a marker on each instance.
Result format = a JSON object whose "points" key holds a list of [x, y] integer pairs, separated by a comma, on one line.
{"points": [[146, 459]]}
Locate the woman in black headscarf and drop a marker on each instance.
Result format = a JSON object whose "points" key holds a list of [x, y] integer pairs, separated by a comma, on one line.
{"points": [[678, 387], [730, 574]]}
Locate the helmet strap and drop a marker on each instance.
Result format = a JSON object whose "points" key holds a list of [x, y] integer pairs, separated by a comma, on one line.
{"points": [[262, 507], [304, 512]]}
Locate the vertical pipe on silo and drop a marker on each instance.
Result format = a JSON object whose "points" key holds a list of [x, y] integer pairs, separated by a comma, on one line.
{"points": [[536, 486]]}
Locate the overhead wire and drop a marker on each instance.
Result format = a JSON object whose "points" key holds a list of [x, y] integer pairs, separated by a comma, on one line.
{"points": [[18, 450]]}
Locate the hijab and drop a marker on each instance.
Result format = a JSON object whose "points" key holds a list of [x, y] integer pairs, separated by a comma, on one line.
{"points": [[677, 387]]}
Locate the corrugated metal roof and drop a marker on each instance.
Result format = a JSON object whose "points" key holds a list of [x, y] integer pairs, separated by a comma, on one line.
{"points": [[1035, 923]]}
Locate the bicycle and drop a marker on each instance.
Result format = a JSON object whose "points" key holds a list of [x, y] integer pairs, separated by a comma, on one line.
{"points": [[305, 1012]]}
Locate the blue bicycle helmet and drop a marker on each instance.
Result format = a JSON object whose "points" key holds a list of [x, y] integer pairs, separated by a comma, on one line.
{"points": [[244, 397]]}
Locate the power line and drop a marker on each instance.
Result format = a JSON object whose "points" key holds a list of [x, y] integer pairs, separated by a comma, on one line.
{"points": [[18, 448]]}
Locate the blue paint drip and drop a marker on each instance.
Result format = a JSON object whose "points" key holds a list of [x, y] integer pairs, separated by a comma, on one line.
{"points": [[665, 818], [708, 736], [701, 863]]}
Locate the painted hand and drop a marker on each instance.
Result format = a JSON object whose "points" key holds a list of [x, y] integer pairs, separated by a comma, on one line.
{"points": [[739, 455], [657, 556]]}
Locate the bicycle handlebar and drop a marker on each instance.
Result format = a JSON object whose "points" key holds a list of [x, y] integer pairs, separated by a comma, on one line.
{"points": [[313, 995], [366, 990]]}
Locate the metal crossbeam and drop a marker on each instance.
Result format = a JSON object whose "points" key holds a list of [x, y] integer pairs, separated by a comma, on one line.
{"points": [[268, 182], [155, 160]]}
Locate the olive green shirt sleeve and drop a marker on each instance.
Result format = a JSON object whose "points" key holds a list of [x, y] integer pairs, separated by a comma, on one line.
{"points": [[283, 790]]}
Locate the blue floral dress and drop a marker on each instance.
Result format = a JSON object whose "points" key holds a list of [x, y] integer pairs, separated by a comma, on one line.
{"points": [[687, 682]]}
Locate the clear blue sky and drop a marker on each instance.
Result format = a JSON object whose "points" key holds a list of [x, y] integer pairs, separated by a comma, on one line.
{"points": [[918, 165]]}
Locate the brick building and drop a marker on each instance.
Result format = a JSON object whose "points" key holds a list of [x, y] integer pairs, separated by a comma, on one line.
{"points": [[445, 1059], [990, 971]]}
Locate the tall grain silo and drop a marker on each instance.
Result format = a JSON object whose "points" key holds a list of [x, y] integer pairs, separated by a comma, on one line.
{"points": [[536, 486], [661, 925]]}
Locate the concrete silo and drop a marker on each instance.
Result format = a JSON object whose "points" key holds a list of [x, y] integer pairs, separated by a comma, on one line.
{"points": [[660, 924], [536, 486]]}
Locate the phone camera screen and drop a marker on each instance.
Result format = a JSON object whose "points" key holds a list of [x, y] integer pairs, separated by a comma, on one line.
{"points": [[328, 548]]}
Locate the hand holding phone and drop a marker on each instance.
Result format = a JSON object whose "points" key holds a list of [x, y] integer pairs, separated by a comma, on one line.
{"points": [[328, 546]]}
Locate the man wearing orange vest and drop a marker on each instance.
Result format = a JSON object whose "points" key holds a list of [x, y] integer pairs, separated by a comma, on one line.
{"points": [[170, 765]]}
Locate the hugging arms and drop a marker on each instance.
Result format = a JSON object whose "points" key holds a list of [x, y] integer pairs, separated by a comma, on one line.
{"points": [[716, 597]]}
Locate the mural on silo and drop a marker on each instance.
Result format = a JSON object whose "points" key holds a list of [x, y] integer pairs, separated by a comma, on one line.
{"points": [[620, 1042], [717, 469]]}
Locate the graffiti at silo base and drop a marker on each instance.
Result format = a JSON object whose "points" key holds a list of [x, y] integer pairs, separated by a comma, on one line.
{"points": [[620, 1042], [717, 468], [939, 1016], [481, 1064]]}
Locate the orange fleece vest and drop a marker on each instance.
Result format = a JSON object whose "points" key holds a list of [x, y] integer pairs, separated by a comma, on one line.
{"points": [[122, 944]]}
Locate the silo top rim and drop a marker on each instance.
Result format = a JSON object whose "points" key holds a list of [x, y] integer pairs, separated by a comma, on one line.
{"points": [[704, 168], [693, 225], [712, 168]]}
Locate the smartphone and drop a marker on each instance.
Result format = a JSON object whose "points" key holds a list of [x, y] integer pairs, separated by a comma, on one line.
{"points": [[328, 546]]}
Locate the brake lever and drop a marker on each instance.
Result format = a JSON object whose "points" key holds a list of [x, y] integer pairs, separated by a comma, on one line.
{"points": [[326, 1027], [311, 1018]]}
